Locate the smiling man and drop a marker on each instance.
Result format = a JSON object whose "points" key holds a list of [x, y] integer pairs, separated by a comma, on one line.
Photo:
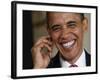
{"points": [[66, 31]]}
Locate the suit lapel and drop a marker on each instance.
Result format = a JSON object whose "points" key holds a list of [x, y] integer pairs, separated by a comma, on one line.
{"points": [[88, 58], [55, 62]]}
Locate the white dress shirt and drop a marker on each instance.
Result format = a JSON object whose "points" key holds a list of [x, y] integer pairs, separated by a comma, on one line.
{"points": [[81, 62]]}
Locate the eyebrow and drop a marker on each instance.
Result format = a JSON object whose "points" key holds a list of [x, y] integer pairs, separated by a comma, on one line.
{"points": [[55, 25]]}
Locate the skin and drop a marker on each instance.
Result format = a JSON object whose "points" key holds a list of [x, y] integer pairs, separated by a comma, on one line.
{"points": [[41, 59], [66, 31]]}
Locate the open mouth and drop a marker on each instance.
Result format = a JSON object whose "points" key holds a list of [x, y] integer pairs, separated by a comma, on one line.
{"points": [[69, 44]]}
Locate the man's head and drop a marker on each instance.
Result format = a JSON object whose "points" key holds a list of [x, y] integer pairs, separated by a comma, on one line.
{"points": [[67, 31]]}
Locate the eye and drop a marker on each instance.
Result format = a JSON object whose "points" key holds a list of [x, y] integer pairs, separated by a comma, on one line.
{"points": [[56, 28], [72, 25]]}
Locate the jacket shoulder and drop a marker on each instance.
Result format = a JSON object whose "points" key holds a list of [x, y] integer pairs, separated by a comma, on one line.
{"points": [[55, 62]]}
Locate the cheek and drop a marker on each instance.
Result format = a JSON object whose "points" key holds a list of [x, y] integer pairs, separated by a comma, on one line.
{"points": [[79, 32], [55, 36]]}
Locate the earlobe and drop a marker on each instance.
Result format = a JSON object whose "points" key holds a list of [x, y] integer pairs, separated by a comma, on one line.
{"points": [[85, 24], [48, 30]]}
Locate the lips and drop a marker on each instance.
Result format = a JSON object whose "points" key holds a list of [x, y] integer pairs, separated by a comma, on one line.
{"points": [[69, 44]]}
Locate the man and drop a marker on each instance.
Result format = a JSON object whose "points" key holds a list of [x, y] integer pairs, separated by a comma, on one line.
{"points": [[66, 31]]}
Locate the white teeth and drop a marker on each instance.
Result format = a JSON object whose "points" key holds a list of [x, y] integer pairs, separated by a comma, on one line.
{"points": [[69, 44]]}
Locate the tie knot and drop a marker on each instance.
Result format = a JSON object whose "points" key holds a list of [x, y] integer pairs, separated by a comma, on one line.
{"points": [[73, 65]]}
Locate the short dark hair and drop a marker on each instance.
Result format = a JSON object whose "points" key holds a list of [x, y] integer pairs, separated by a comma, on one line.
{"points": [[82, 16]]}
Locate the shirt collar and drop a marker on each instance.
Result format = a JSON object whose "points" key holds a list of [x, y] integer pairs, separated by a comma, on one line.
{"points": [[80, 62]]}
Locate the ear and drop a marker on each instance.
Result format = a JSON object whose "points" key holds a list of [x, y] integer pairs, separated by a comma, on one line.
{"points": [[48, 30], [85, 24]]}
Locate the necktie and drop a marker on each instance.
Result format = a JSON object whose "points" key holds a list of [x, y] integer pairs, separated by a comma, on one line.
{"points": [[73, 65]]}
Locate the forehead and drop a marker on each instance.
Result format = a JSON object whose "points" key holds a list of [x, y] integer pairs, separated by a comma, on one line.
{"points": [[56, 15], [62, 16]]}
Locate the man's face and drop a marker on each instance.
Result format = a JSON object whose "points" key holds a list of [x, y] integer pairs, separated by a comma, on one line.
{"points": [[66, 31]]}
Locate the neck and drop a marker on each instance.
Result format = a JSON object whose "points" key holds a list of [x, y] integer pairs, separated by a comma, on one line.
{"points": [[73, 60]]}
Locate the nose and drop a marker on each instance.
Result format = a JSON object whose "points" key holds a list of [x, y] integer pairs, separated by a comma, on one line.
{"points": [[65, 32]]}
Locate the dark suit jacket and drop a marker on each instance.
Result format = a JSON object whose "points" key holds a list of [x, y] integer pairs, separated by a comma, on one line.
{"points": [[55, 62]]}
